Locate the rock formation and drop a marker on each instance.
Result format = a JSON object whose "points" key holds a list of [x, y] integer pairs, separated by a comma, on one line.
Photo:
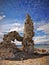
{"points": [[28, 44], [12, 36], [8, 49]]}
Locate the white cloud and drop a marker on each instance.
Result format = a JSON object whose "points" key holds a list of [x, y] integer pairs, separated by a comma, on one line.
{"points": [[2, 17], [41, 39], [17, 42], [38, 24], [17, 27], [42, 27], [45, 28], [11, 27]]}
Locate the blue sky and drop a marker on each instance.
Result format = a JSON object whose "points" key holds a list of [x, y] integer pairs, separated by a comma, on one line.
{"points": [[13, 14]]}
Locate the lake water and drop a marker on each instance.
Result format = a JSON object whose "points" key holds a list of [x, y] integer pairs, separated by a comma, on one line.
{"points": [[42, 46], [45, 46]]}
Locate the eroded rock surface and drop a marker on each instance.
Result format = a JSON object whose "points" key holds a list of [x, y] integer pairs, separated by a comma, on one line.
{"points": [[28, 43], [8, 49], [12, 36]]}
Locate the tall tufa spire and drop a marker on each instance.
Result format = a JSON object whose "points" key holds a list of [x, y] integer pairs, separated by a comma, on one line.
{"points": [[28, 27], [28, 43]]}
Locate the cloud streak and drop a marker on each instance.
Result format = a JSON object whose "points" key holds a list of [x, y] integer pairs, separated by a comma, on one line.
{"points": [[2, 17], [13, 27], [41, 39], [17, 27], [45, 37], [44, 28]]}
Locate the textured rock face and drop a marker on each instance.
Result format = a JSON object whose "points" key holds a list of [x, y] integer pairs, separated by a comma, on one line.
{"points": [[8, 49], [28, 34], [28, 28], [12, 36]]}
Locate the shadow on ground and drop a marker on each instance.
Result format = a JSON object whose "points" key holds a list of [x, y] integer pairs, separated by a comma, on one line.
{"points": [[22, 56]]}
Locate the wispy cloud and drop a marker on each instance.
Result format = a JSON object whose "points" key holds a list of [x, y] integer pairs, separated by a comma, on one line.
{"points": [[38, 24], [2, 17], [17, 27], [44, 28], [20, 27], [41, 39], [12, 27], [45, 37]]}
